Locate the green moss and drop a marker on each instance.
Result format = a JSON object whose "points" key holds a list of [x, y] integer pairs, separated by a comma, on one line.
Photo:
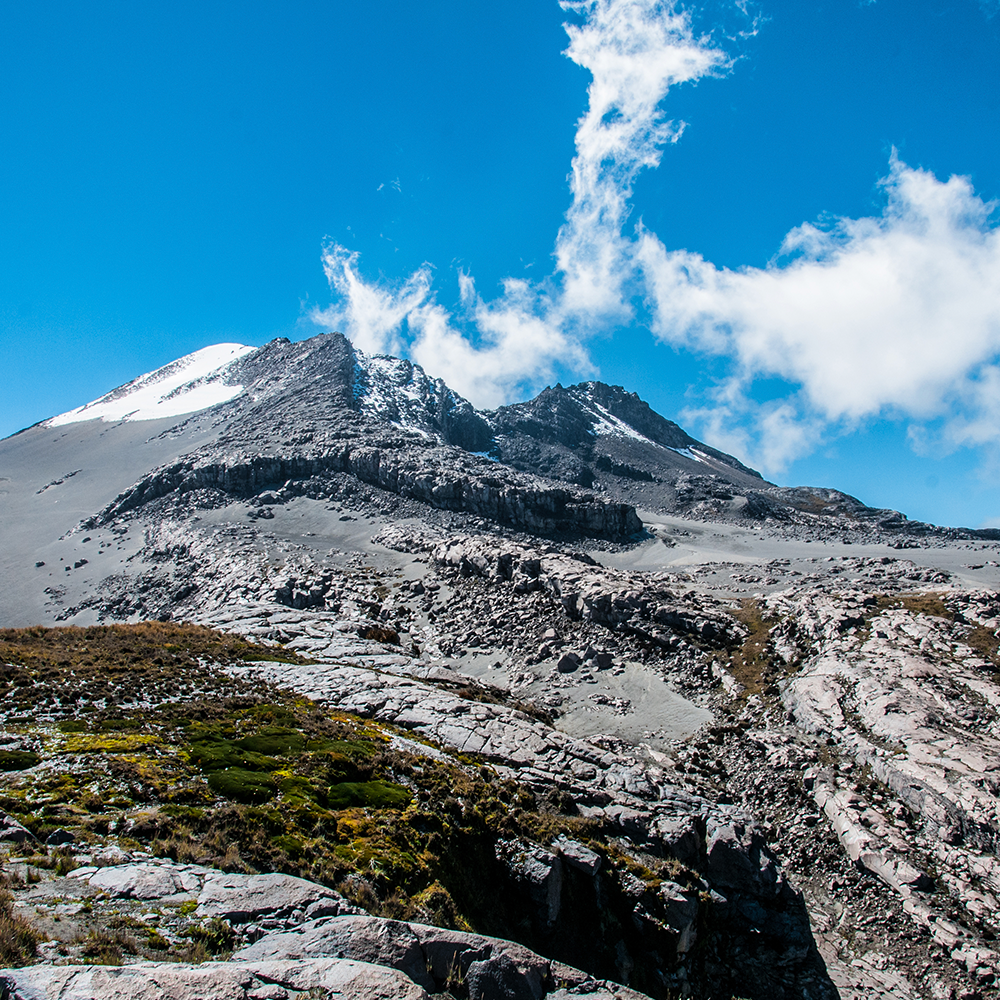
{"points": [[118, 724], [299, 791], [217, 754], [353, 749], [376, 794], [274, 741], [18, 760], [241, 785]]}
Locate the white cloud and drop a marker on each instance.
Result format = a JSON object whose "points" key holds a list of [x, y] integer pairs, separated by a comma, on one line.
{"points": [[371, 315], [635, 50], [516, 341], [897, 315]]}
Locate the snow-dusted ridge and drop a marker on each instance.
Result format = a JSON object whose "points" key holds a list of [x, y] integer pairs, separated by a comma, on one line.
{"points": [[194, 382]]}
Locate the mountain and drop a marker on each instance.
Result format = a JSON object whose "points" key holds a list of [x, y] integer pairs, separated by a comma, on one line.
{"points": [[294, 406], [519, 697]]}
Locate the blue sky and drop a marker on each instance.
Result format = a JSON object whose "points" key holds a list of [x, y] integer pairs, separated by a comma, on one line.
{"points": [[177, 176]]}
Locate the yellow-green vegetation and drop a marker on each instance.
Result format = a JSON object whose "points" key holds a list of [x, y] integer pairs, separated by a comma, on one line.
{"points": [[135, 730], [752, 663]]}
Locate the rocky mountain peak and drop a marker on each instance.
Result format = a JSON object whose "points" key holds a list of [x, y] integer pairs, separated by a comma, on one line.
{"points": [[397, 391]]}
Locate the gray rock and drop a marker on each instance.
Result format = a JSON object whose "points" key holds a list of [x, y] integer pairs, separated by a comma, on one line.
{"points": [[434, 957], [12, 832], [680, 908], [539, 871], [738, 859], [328, 907], [241, 898], [215, 980], [448, 952], [148, 880], [679, 836], [497, 978], [568, 662], [577, 856], [358, 938]]}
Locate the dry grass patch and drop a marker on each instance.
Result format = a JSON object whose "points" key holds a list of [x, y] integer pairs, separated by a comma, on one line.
{"points": [[18, 939]]}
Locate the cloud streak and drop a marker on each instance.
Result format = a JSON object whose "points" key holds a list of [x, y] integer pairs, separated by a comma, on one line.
{"points": [[635, 51], [894, 315]]}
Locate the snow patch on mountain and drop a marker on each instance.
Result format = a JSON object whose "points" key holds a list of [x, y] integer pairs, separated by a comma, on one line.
{"points": [[399, 392], [688, 453], [608, 425], [394, 390], [194, 382]]}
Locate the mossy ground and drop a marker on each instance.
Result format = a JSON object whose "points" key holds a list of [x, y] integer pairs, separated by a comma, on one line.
{"points": [[753, 663], [139, 739]]}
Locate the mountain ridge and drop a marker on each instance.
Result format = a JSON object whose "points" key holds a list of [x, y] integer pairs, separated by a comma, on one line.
{"points": [[590, 436]]}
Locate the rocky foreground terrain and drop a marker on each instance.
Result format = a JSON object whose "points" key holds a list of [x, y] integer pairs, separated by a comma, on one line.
{"points": [[343, 688]]}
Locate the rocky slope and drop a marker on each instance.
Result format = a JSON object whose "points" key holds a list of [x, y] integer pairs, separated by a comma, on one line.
{"points": [[118, 794], [441, 669]]}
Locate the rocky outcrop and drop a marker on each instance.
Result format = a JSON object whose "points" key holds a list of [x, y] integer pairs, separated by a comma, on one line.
{"points": [[903, 691], [306, 941], [440, 477], [229, 980]]}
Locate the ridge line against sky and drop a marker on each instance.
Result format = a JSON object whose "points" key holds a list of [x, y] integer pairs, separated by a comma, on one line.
{"points": [[896, 314], [683, 200]]}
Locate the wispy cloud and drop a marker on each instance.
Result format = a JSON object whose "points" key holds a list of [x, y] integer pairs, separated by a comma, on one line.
{"points": [[371, 314], [894, 315], [635, 50]]}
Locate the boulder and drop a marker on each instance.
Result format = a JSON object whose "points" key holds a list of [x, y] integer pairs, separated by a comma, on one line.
{"points": [[433, 957], [738, 859], [679, 837], [577, 856], [537, 870], [358, 938], [218, 980], [147, 880], [568, 662], [12, 832], [242, 898]]}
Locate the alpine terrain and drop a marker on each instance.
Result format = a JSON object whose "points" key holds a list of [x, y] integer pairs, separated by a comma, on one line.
{"points": [[317, 681]]}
